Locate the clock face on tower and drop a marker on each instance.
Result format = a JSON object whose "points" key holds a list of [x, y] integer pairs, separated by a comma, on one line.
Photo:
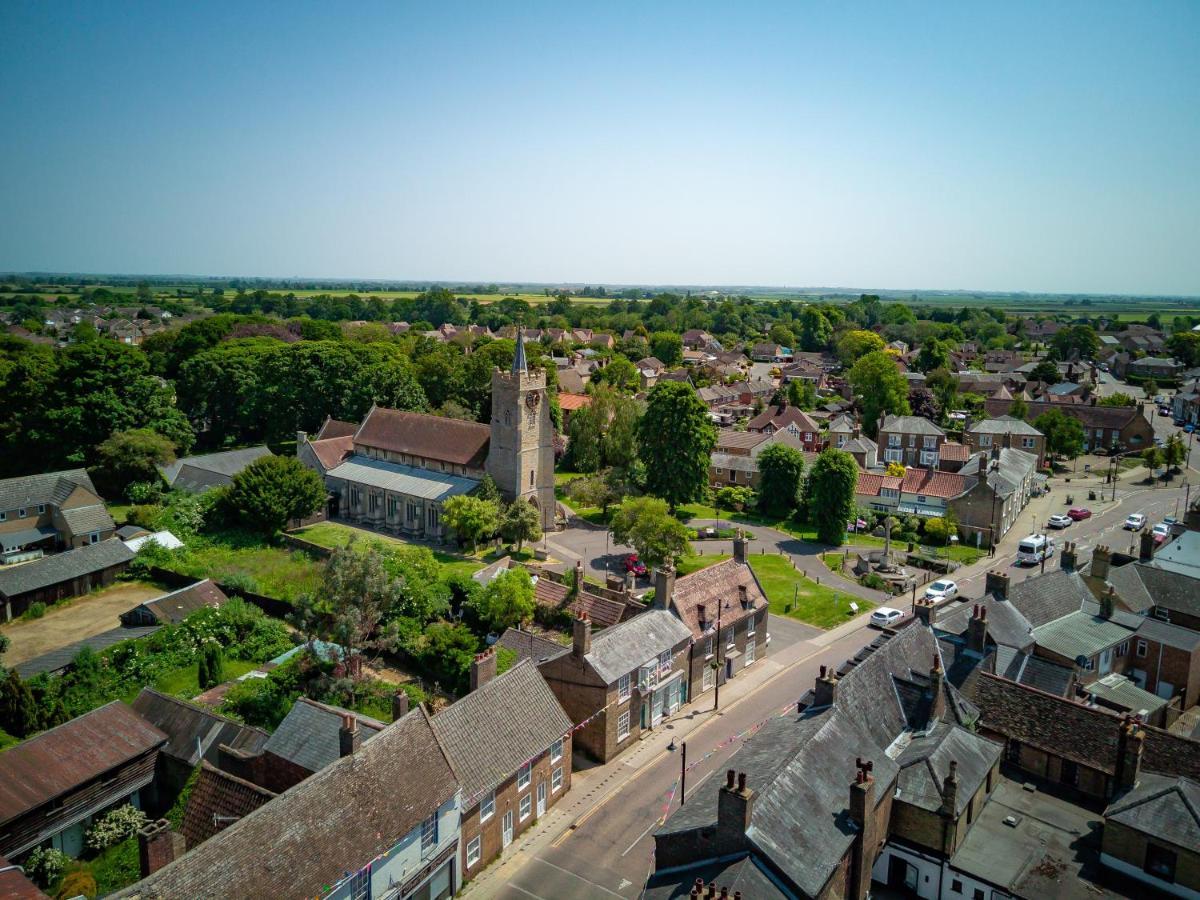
{"points": [[532, 398]]}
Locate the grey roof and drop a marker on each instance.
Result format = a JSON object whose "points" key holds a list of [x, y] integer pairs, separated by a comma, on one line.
{"points": [[55, 661], [618, 650], [1143, 585], [85, 519], [49, 570], [531, 646], [1154, 629], [49, 487], [1117, 690], [1006, 625], [910, 425], [1181, 555], [734, 462], [1044, 598], [1006, 472], [11, 540], [408, 480], [210, 469], [1080, 634], [843, 422], [1043, 674], [490, 733], [195, 732], [925, 763], [1165, 808], [747, 875], [308, 734], [1004, 425], [128, 532]]}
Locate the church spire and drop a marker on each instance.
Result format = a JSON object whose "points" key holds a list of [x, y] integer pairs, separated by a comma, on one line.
{"points": [[519, 366]]}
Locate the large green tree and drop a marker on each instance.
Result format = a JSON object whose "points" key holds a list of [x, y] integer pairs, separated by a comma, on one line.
{"points": [[131, 457], [856, 344], [1072, 340], [781, 473], [472, 518], [830, 492], [272, 491], [1064, 435], [815, 330], [506, 601], [879, 387], [667, 347], [521, 522], [646, 524], [675, 441]]}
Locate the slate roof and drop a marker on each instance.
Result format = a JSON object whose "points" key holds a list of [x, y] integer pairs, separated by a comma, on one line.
{"points": [[1181, 556], [218, 799], [308, 734], [1080, 634], [1170, 635], [410, 480], [1164, 808], [1044, 598], [618, 650], [55, 661], [1004, 425], [1038, 672], [910, 425], [925, 763], [715, 584], [174, 607], [1144, 585], [86, 519], [747, 875], [35, 771], [199, 473], [492, 731], [48, 488], [312, 835], [424, 435], [531, 646], [1006, 625], [11, 540], [194, 732], [50, 570]]}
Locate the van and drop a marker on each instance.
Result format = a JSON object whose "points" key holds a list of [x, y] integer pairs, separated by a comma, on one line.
{"points": [[1033, 549]]}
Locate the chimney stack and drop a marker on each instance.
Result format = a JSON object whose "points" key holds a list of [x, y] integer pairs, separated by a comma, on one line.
{"points": [[997, 583], [581, 642], [158, 844], [977, 630], [1130, 739], [936, 680], [1108, 602], [483, 668], [866, 842], [735, 805], [826, 687], [349, 737], [923, 610], [1101, 560], [664, 586], [399, 705], [740, 546], [579, 575], [1069, 556], [950, 808], [1146, 547], [301, 438]]}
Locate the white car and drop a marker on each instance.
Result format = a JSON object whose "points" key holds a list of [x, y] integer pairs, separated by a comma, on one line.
{"points": [[941, 591], [1059, 521], [1135, 522], [885, 616], [1161, 532]]}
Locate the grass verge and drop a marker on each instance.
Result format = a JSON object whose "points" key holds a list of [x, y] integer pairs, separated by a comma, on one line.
{"points": [[791, 594]]}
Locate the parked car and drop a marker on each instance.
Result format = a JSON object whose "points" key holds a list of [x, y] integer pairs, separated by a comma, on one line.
{"points": [[1161, 532], [1164, 411], [885, 616], [1059, 521], [635, 565], [1134, 522], [1079, 513], [941, 591]]}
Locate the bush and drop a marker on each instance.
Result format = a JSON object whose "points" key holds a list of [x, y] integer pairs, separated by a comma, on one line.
{"points": [[241, 582], [143, 492], [115, 826], [872, 580], [36, 610], [45, 865], [79, 883], [145, 515]]}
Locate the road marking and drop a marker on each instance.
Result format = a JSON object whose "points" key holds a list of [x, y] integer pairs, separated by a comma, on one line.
{"points": [[523, 891], [580, 877], [638, 839]]}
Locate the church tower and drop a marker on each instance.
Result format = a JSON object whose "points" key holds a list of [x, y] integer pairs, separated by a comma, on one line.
{"points": [[521, 451]]}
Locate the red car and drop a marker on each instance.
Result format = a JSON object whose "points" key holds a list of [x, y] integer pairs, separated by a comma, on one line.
{"points": [[634, 565], [1079, 513]]}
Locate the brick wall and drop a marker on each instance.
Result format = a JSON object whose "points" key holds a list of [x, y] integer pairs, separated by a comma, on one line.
{"points": [[1129, 846], [1177, 667]]}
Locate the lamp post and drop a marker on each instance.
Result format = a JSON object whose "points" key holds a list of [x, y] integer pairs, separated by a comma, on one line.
{"points": [[993, 468]]}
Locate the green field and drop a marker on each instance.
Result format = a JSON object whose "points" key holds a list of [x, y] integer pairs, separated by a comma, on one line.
{"points": [[334, 535], [791, 594], [238, 562]]}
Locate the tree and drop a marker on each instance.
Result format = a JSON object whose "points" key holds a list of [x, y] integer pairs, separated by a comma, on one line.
{"points": [[131, 457], [815, 330], [801, 394], [923, 403], [1150, 387], [1064, 435], [879, 387], [1153, 458], [1045, 371], [854, 345], [1118, 399], [667, 348], [782, 335], [620, 373], [521, 523], [1175, 452], [471, 518], [675, 441], [211, 666], [933, 355], [272, 491], [735, 497], [944, 386], [831, 486], [1075, 340], [781, 471], [1185, 346], [506, 601], [646, 524], [1019, 408]]}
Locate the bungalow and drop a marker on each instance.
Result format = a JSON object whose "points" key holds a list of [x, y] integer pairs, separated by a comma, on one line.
{"points": [[769, 353], [172, 608]]}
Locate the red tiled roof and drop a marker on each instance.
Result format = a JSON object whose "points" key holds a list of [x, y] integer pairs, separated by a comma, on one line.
{"points": [[423, 435], [335, 428], [603, 612], [933, 484], [870, 483], [782, 418], [954, 452], [332, 451], [15, 886], [568, 401], [713, 585], [218, 799]]}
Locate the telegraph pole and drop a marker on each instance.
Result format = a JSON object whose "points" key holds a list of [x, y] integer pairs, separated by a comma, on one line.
{"points": [[682, 773]]}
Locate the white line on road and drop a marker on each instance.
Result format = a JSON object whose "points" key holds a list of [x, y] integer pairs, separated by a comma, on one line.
{"points": [[638, 839], [517, 887], [574, 875]]}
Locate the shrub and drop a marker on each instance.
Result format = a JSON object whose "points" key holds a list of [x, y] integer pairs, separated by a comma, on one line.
{"points": [[142, 492], [45, 865], [115, 826], [79, 883], [36, 610], [241, 582], [145, 515], [872, 580]]}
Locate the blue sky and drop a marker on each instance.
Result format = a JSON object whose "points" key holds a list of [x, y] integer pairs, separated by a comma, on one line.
{"points": [[1012, 146]]}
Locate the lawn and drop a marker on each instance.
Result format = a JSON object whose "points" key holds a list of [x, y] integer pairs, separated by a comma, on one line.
{"points": [[119, 512], [243, 561], [791, 594], [689, 564], [334, 535]]}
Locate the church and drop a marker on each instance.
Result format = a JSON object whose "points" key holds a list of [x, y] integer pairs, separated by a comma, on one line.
{"points": [[394, 470]]}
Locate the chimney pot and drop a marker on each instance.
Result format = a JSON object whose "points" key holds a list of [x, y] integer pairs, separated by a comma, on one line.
{"points": [[741, 781], [729, 776], [158, 845], [349, 737], [483, 668]]}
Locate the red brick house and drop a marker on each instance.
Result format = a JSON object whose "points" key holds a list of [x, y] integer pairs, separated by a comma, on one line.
{"points": [[788, 418]]}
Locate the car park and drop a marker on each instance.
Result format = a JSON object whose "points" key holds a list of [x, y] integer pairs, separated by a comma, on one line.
{"points": [[941, 591], [1059, 521], [1134, 522], [1079, 513], [885, 616]]}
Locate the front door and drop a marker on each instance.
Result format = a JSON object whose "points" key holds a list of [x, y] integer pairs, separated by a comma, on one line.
{"points": [[902, 874], [541, 801], [1106, 661], [656, 708], [506, 825]]}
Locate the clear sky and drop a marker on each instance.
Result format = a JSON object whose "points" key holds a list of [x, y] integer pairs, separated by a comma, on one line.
{"points": [[1008, 146]]}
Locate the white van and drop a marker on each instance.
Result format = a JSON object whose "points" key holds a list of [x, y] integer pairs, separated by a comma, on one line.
{"points": [[1033, 549]]}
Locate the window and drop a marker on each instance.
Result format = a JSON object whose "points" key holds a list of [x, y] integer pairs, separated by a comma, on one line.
{"points": [[623, 725], [751, 629], [531, 477], [94, 537], [729, 643], [433, 517], [978, 894], [708, 647], [930, 443], [526, 807], [920, 498], [360, 885], [929, 458], [889, 492], [985, 440], [487, 807], [1160, 862], [1027, 443], [1123, 648], [749, 651], [3, 515], [556, 780], [893, 455], [473, 851], [41, 508], [893, 440], [429, 833], [523, 777], [664, 662], [21, 513], [808, 436], [623, 689], [1090, 664], [1141, 647], [556, 750], [956, 885], [410, 511]]}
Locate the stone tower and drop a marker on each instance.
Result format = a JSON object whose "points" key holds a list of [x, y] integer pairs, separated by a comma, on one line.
{"points": [[521, 450]]}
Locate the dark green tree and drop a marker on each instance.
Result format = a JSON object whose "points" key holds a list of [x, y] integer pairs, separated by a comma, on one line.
{"points": [[879, 387], [675, 441], [831, 486], [1064, 435], [521, 522], [272, 491], [781, 471], [130, 457], [667, 347]]}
